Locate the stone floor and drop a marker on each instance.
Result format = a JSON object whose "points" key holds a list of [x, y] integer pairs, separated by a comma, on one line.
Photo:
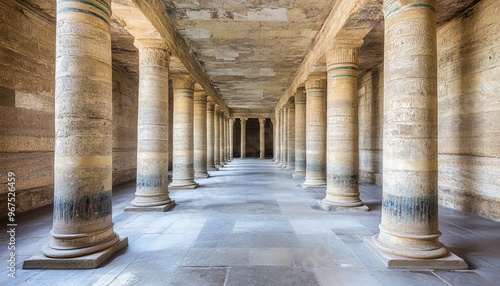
{"points": [[251, 224]]}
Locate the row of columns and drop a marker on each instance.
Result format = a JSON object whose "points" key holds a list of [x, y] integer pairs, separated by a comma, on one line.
{"points": [[409, 235]]}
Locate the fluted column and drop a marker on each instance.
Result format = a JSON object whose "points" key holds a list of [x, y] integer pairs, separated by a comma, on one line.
{"points": [[243, 122], [409, 226], [183, 149], [300, 133], [342, 190], [231, 138], [217, 137], [152, 131], [222, 139], [82, 220], [210, 136], [200, 134], [316, 131], [290, 165], [262, 137], [284, 136]]}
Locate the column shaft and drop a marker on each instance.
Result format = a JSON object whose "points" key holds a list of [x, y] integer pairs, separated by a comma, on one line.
{"points": [[217, 137], [200, 135], [82, 220], [300, 133], [262, 137], [290, 165], [316, 132], [183, 149], [210, 136], [222, 139], [152, 128], [243, 122], [409, 226], [231, 138], [342, 127], [277, 157], [284, 135]]}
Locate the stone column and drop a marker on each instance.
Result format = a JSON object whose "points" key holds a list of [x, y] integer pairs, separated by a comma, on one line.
{"points": [[200, 133], [231, 138], [183, 161], [315, 132], [277, 157], [300, 133], [152, 133], [290, 165], [342, 170], [284, 136], [210, 136], [243, 122], [273, 128], [217, 137], [262, 137], [82, 220], [226, 140], [409, 232], [222, 139], [170, 123]]}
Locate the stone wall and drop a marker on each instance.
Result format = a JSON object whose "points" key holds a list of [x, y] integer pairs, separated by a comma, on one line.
{"points": [[27, 69], [469, 113], [371, 117]]}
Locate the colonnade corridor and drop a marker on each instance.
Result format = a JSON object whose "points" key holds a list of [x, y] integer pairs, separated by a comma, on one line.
{"points": [[250, 223]]}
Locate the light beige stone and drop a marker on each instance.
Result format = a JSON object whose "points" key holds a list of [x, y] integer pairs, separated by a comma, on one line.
{"points": [[210, 136], [262, 138], [183, 149], [300, 133], [315, 132], [290, 161], [200, 134], [243, 122], [217, 140]]}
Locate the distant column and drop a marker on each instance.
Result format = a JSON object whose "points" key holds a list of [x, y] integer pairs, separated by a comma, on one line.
{"points": [[342, 190], [217, 137], [183, 171], [262, 137], [300, 133], [290, 165], [222, 139], [284, 135], [316, 132], [409, 234], [231, 138], [200, 134], [152, 132], [277, 157], [82, 220], [243, 122], [210, 136]]}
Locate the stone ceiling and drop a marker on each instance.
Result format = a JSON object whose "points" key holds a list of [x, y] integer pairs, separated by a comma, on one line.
{"points": [[251, 50]]}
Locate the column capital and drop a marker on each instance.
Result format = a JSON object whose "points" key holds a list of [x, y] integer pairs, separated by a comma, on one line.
{"points": [[291, 103], [144, 43], [182, 81], [300, 95], [200, 96], [217, 109], [343, 51], [243, 120], [262, 121], [152, 53], [316, 81]]}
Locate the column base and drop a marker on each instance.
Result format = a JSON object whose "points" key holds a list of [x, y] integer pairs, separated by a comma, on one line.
{"points": [[212, 169], [192, 185], [299, 175], [89, 261], [218, 166], [313, 184], [160, 208], [283, 166], [290, 167], [201, 175], [449, 262], [329, 207]]}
